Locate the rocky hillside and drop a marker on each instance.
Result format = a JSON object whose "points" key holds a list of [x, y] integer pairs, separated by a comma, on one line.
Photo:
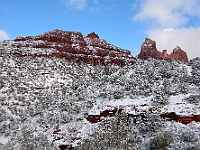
{"points": [[75, 47], [52, 102], [72, 46], [48, 103], [149, 50]]}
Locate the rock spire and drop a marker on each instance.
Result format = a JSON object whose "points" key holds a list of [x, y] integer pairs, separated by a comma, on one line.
{"points": [[149, 50]]}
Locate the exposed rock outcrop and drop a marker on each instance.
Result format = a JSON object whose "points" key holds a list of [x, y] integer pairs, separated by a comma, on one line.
{"points": [[72, 46], [148, 49], [75, 47], [66, 147], [179, 54], [142, 115], [105, 113], [181, 119], [93, 35]]}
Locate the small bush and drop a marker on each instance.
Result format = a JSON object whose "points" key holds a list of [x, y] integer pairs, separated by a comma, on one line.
{"points": [[193, 99], [159, 143]]}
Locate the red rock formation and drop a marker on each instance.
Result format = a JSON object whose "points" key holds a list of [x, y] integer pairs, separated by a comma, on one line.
{"points": [[181, 119], [93, 118], [149, 49], [73, 46], [66, 147], [56, 131], [105, 113], [93, 35], [179, 54], [109, 113], [142, 115]]}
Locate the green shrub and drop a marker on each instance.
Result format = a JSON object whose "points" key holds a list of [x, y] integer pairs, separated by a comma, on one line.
{"points": [[159, 143]]}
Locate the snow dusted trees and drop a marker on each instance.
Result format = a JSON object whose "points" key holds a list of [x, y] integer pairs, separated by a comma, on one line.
{"points": [[39, 96], [195, 64], [113, 133]]}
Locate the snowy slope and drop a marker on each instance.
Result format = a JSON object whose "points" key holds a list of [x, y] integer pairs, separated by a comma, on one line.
{"points": [[44, 103]]}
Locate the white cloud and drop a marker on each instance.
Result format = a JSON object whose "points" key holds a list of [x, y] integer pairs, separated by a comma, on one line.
{"points": [[76, 4], [3, 35], [167, 13], [186, 38]]}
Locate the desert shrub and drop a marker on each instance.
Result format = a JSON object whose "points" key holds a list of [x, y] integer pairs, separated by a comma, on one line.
{"points": [[118, 94], [188, 137], [195, 64], [193, 99], [193, 147], [113, 133], [159, 143], [161, 99]]}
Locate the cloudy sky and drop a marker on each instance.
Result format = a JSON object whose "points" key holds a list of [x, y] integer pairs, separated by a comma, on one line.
{"points": [[124, 23]]}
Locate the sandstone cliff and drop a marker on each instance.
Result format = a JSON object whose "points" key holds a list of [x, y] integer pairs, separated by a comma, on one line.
{"points": [[73, 46], [148, 49]]}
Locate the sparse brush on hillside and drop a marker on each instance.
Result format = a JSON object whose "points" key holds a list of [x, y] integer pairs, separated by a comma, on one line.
{"points": [[44, 103]]}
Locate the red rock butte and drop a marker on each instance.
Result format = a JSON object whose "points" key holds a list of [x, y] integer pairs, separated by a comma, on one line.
{"points": [[75, 47], [72, 46], [149, 50]]}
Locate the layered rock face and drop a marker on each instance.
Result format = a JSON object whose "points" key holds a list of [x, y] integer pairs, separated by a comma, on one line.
{"points": [[149, 49], [75, 47], [72, 46]]}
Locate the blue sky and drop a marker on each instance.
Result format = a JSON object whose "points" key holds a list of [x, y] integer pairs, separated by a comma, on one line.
{"points": [[124, 23]]}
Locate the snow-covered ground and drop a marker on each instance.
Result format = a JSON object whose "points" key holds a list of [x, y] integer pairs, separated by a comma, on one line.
{"points": [[44, 102]]}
